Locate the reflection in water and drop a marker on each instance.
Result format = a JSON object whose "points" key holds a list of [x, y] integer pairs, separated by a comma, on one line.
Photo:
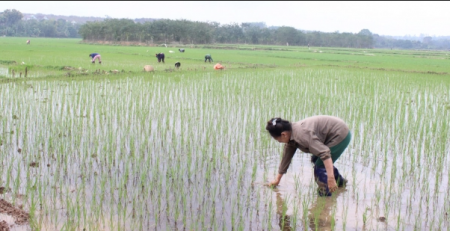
{"points": [[320, 214], [3, 71], [285, 220]]}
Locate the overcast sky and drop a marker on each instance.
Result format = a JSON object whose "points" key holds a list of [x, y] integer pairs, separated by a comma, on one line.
{"points": [[384, 18]]}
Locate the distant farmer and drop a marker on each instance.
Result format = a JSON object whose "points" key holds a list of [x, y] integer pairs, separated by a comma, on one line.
{"points": [[148, 68], [326, 137], [177, 64], [160, 57], [209, 58], [181, 50], [95, 56], [28, 41], [218, 66]]}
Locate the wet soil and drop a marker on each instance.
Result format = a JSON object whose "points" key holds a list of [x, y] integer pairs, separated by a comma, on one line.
{"points": [[20, 216], [34, 164], [4, 226]]}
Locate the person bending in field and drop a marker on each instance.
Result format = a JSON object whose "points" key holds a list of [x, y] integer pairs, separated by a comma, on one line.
{"points": [[177, 64], [160, 57], [218, 66], [209, 58], [325, 137], [96, 56]]}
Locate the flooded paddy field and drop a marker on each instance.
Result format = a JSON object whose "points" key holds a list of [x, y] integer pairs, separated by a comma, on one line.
{"points": [[189, 151]]}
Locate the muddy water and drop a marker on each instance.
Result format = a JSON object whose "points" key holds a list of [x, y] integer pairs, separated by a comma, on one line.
{"points": [[10, 221], [352, 207], [4, 72], [88, 177]]}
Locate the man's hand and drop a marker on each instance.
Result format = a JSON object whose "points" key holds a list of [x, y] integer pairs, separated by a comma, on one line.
{"points": [[332, 186]]}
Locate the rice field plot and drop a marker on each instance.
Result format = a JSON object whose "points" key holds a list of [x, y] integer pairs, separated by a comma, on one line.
{"points": [[188, 151], [67, 58]]}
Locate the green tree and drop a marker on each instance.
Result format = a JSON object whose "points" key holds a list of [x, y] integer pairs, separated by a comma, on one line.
{"points": [[48, 28], [286, 34], [11, 17], [365, 32], [252, 33]]}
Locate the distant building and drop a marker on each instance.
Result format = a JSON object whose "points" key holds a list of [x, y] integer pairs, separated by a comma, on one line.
{"points": [[29, 17], [259, 25], [143, 20]]}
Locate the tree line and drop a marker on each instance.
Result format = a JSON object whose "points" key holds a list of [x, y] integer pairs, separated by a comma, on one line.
{"points": [[193, 32], [426, 43], [11, 24]]}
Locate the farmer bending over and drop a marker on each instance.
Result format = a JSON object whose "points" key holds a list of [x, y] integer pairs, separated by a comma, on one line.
{"points": [[209, 58], [95, 56], [326, 137], [160, 57], [218, 66]]}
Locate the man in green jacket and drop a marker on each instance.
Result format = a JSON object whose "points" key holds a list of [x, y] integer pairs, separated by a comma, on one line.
{"points": [[209, 58]]}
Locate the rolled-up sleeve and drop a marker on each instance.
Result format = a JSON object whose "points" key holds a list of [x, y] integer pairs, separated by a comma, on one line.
{"points": [[317, 147], [288, 153]]}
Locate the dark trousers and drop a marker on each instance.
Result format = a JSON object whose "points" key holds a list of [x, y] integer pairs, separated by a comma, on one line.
{"points": [[320, 173]]}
